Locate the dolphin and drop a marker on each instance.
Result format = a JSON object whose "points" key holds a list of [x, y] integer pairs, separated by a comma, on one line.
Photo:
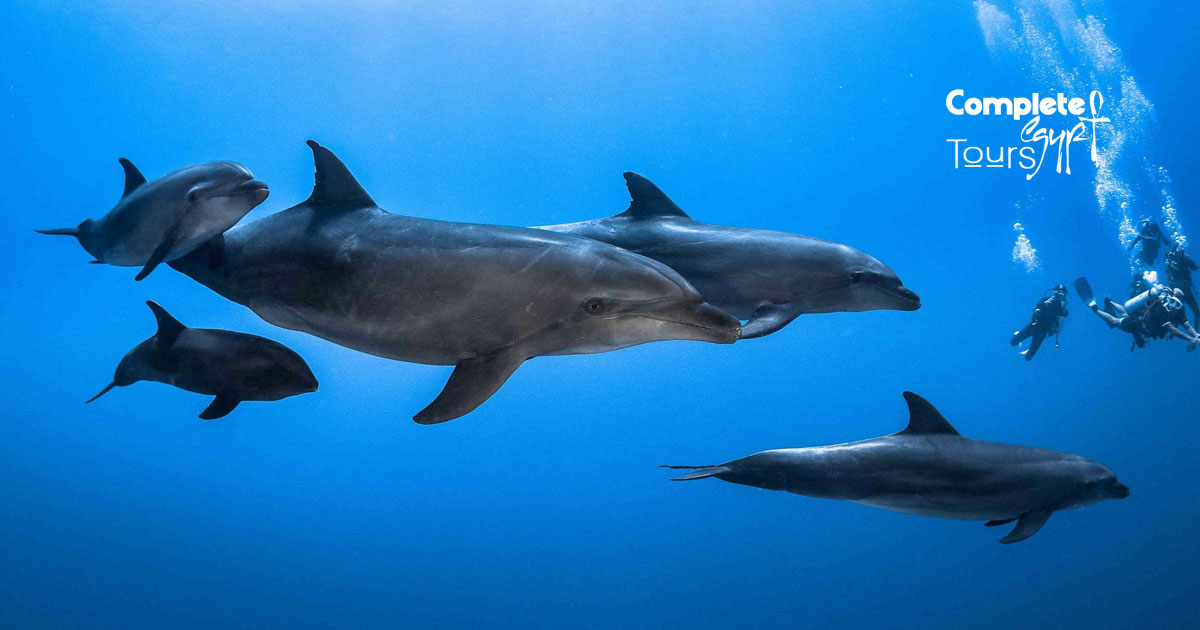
{"points": [[768, 278], [930, 470], [170, 216], [229, 365], [482, 298]]}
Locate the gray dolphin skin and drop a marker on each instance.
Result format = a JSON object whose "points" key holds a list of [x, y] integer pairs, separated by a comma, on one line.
{"points": [[171, 216], [231, 366], [483, 298], [930, 470], [768, 278]]}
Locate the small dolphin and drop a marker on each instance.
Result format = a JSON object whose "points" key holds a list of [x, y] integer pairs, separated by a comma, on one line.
{"points": [[170, 216], [484, 298], [230, 365], [930, 470], [768, 278]]}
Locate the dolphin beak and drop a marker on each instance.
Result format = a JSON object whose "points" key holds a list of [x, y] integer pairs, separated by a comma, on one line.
{"points": [[708, 322], [254, 189], [1120, 490], [252, 185], [912, 301]]}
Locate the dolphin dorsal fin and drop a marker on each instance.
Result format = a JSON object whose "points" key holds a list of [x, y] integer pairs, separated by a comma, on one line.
{"points": [[168, 327], [647, 201], [335, 188], [133, 177], [924, 419]]}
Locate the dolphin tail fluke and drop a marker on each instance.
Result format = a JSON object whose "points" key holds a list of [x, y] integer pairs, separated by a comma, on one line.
{"points": [[102, 392], [698, 472], [72, 231]]}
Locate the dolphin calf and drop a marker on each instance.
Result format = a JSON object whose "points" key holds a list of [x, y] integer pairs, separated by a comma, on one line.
{"points": [[483, 298], [170, 216], [768, 278], [229, 365], [931, 470]]}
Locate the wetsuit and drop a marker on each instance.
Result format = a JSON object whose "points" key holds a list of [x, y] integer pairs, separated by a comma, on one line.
{"points": [[1179, 273], [1046, 320]]}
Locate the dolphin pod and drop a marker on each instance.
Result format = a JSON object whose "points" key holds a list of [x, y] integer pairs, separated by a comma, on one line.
{"points": [[231, 366], [171, 216], [486, 298], [768, 278], [483, 298], [929, 469]]}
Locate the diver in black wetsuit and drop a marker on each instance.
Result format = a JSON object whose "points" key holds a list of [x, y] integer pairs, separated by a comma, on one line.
{"points": [[1159, 314], [1179, 273], [1151, 237], [1047, 320]]}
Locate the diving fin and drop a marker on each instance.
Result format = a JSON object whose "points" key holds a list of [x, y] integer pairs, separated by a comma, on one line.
{"points": [[768, 319], [1085, 291], [1027, 525], [220, 407], [472, 382]]}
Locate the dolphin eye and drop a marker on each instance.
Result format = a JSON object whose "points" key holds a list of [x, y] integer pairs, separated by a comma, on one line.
{"points": [[595, 306], [192, 196], [857, 276]]}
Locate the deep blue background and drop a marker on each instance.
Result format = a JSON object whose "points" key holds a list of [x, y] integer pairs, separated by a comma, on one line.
{"points": [[543, 508]]}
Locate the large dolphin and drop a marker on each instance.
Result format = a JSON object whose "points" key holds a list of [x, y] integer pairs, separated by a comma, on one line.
{"points": [[170, 216], [930, 470], [483, 298], [766, 277], [228, 365]]}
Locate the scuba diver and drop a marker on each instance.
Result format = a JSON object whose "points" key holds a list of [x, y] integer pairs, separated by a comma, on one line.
{"points": [[1151, 236], [1152, 314], [1179, 273], [1046, 320]]}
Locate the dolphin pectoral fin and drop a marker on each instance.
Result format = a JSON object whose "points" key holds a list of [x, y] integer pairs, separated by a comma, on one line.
{"points": [[999, 521], [1027, 525], [220, 407], [768, 319], [472, 382], [159, 255], [95, 262], [216, 252]]}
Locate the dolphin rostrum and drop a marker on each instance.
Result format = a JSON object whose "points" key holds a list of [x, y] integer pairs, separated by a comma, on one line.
{"points": [[768, 278], [483, 298], [232, 366], [930, 470], [170, 216]]}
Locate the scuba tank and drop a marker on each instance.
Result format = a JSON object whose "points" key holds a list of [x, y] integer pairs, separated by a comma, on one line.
{"points": [[1157, 292], [1136, 304]]}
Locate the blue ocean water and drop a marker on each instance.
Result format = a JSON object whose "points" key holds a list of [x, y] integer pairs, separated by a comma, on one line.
{"points": [[544, 507]]}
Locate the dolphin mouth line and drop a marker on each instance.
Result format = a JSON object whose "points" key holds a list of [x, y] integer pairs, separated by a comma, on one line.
{"points": [[248, 187], [735, 332]]}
